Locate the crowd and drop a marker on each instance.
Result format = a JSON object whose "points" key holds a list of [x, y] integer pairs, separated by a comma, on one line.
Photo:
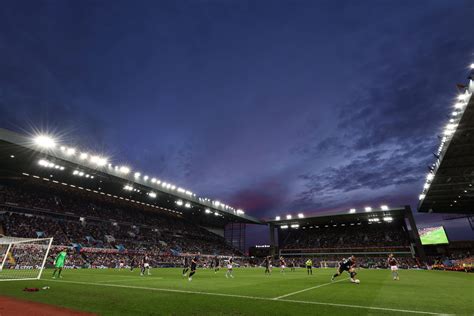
{"points": [[369, 235], [38, 210]]}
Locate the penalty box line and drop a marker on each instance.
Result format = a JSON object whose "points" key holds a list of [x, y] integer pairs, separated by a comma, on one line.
{"points": [[247, 297], [308, 289]]}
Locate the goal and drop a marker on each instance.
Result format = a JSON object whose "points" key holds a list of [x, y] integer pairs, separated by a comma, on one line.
{"points": [[23, 258], [329, 264]]}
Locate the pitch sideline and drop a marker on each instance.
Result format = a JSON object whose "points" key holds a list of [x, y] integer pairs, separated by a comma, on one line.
{"points": [[250, 297]]}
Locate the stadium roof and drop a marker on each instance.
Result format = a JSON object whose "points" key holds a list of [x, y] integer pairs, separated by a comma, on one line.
{"points": [[352, 216], [42, 158], [449, 186]]}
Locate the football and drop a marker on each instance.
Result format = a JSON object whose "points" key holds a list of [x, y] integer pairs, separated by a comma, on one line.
{"points": [[357, 281]]}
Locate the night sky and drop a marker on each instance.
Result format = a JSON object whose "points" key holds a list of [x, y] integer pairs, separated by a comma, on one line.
{"points": [[273, 106]]}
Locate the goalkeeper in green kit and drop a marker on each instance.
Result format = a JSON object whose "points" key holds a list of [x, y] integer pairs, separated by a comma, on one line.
{"points": [[59, 263]]}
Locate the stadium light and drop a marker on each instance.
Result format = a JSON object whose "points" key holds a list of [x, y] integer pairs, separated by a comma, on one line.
{"points": [[100, 161], [145, 178], [352, 210], [124, 169], [430, 177], [70, 151], [277, 218], [368, 209], [295, 226], [240, 212], [137, 174], [83, 156], [421, 196], [384, 208], [426, 186], [300, 215], [388, 219], [208, 211], [45, 141], [216, 213], [459, 105], [288, 216], [179, 202], [187, 205], [128, 188], [284, 227], [152, 195]]}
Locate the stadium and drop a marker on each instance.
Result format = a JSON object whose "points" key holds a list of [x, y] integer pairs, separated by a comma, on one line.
{"points": [[129, 240], [308, 140]]}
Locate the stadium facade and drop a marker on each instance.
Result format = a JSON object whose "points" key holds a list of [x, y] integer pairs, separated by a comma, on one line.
{"points": [[287, 234], [449, 185], [42, 159]]}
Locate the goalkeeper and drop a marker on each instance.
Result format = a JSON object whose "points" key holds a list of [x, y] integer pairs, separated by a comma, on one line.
{"points": [[59, 263]]}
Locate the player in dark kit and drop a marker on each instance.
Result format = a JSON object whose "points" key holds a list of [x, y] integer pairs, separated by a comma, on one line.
{"points": [[268, 263], [132, 263], [194, 263], [392, 262], [216, 264], [185, 266], [349, 266]]}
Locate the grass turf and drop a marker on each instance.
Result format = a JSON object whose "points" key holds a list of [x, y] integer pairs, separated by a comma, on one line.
{"points": [[121, 292]]}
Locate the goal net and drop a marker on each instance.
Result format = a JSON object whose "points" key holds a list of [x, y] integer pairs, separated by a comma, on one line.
{"points": [[329, 264], [22, 258]]}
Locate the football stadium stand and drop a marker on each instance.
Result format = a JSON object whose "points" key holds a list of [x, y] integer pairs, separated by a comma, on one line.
{"points": [[366, 233], [107, 213], [449, 186]]}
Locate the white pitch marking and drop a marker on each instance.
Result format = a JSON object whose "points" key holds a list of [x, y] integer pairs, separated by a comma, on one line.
{"points": [[249, 297], [131, 279], [308, 289]]}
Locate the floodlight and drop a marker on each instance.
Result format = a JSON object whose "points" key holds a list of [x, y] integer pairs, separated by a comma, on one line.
{"points": [[81, 173], [45, 141], [137, 174], [384, 208], [459, 105], [388, 219], [352, 210], [75, 172], [430, 176], [295, 226], [239, 211], [288, 216], [145, 178], [300, 215], [124, 169], [187, 205], [277, 218], [217, 214], [152, 195], [70, 151], [426, 186], [153, 180], [179, 202], [284, 227], [368, 209], [208, 211], [83, 156]]}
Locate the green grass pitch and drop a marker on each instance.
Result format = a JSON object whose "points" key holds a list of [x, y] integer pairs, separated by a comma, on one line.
{"points": [[167, 292]]}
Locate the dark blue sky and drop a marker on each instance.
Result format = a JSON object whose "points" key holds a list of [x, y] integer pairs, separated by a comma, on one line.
{"points": [[273, 106]]}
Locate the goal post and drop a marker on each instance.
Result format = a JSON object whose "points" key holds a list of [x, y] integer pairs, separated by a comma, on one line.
{"points": [[23, 258]]}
